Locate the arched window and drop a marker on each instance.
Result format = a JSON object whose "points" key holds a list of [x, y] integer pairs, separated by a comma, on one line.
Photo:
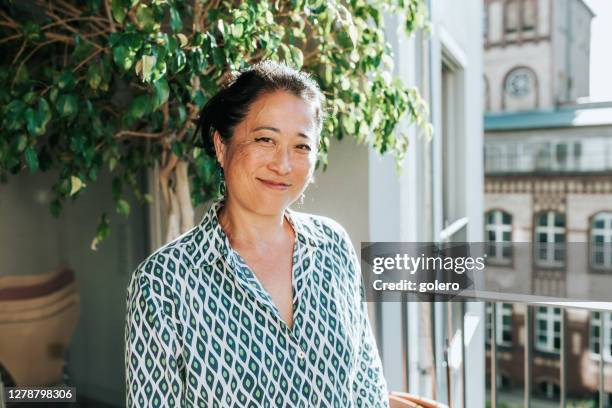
{"points": [[520, 89], [498, 232], [511, 16], [601, 241], [549, 239]]}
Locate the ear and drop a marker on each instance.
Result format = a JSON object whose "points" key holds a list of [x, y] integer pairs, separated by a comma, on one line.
{"points": [[219, 147]]}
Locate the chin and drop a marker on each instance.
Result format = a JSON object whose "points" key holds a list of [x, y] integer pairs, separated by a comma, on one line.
{"points": [[273, 205]]}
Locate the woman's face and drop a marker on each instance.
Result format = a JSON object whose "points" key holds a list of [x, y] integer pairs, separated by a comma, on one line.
{"points": [[270, 158]]}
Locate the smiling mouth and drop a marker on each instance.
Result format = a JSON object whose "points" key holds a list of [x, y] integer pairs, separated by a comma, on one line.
{"points": [[275, 185]]}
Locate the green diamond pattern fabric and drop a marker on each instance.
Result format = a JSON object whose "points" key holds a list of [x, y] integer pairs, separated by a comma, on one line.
{"points": [[201, 331]]}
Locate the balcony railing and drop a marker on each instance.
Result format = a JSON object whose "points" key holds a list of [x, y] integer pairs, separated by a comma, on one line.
{"points": [[563, 353], [518, 156]]}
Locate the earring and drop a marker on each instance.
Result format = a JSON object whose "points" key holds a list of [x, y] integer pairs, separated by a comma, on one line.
{"points": [[222, 187]]}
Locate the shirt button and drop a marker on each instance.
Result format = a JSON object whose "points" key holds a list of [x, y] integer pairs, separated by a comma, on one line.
{"points": [[301, 355]]}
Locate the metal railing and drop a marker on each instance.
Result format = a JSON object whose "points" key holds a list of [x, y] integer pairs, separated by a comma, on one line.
{"points": [[529, 354]]}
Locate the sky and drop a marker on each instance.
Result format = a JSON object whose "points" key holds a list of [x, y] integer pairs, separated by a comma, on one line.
{"points": [[601, 49]]}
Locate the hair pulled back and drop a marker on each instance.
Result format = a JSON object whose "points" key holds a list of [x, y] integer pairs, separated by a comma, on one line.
{"points": [[229, 106]]}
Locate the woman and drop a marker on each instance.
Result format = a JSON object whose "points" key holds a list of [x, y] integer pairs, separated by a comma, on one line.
{"points": [[258, 305]]}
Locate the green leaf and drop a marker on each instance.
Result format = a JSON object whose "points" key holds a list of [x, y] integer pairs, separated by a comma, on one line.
{"points": [[123, 207], [94, 76], [14, 119], [123, 57], [162, 91], [176, 22], [66, 105], [140, 106], [297, 57], [36, 120], [145, 17], [183, 41], [178, 63], [112, 163], [237, 30], [144, 67], [76, 185], [101, 232], [119, 10], [221, 27], [22, 142], [44, 110], [66, 81], [31, 159]]}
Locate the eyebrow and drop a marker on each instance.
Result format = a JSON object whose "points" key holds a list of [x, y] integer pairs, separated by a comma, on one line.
{"points": [[277, 130]]}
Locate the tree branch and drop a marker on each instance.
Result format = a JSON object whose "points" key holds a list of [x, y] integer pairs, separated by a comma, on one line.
{"points": [[10, 22], [73, 30], [61, 38], [23, 45], [69, 20], [109, 16], [39, 46], [86, 60], [10, 38], [131, 133]]}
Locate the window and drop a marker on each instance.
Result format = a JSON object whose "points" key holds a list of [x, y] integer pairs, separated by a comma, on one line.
{"points": [[595, 332], [548, 329], [511, 16], [549, 242], [504, 324], [548, 389], [529, 14], [498, 233], [601, 241]]}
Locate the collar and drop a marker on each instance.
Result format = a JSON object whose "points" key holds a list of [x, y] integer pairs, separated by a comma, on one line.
{"points": [[217, 243], [217, 248]]}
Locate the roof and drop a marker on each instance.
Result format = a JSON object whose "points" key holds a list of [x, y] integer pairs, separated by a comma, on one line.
{"points": [[564, 117]]}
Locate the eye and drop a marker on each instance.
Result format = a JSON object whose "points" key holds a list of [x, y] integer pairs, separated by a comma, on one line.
{"points": [[264, 140], [304, 147]]}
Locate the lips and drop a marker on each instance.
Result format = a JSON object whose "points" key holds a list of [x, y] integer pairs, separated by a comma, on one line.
{"points": [[279, 185]]}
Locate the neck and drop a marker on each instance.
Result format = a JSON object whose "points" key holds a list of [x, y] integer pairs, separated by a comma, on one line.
{"points": [[245, 228]]}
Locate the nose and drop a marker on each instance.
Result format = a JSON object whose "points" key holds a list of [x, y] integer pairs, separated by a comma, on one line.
{"points": [[281, 162]]}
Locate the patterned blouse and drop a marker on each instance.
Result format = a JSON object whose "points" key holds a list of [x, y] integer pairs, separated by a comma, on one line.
{"points": [[201, 330]]}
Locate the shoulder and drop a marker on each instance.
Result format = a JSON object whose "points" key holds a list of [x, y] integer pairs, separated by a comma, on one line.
{"points": [[170, 262]]}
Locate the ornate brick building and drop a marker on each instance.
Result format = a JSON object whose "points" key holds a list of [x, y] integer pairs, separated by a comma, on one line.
{"points": [[548, 180]]}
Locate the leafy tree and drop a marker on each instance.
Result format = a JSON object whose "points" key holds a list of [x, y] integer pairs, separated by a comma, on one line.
{"points": [[118, 84]]}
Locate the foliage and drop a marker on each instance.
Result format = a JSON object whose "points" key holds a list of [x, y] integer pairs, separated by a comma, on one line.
{"points": [[116, 84]]}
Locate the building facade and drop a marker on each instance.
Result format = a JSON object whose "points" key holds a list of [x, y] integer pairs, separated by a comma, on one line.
{"points": [[360, 189], [548, 180]]}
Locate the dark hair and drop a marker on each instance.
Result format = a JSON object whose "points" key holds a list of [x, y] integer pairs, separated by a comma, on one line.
{"points": [[229, 106]]}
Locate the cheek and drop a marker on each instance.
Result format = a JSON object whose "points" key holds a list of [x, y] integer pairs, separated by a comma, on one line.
{"points": [[304, 167], [245, 159]]}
